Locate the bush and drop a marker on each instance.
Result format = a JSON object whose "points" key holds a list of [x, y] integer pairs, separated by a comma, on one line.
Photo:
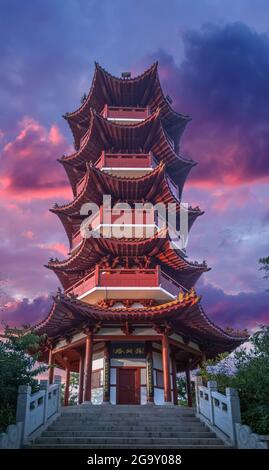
{"points": [[257, 418], [247, 371], [17, 367]]}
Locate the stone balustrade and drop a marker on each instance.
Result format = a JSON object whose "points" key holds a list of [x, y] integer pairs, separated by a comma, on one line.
{"points": [[222, 412], [34, 411]]}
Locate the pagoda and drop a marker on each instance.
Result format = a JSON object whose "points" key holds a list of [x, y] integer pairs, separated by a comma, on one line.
{"points": [[127, 318]]}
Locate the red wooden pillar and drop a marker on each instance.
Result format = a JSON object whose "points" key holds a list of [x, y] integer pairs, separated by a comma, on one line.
{"points": [[106, 373], [51, 368], [81, 378], [88, 368], [150, 384], [188, 386], [166, 369], [67, 384], [174, 381]]}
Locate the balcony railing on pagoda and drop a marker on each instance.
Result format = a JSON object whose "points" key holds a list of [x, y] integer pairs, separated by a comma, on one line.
{"points": [[125, 160], [131, 114], [139, 224], [126, 164], [153, 282]]}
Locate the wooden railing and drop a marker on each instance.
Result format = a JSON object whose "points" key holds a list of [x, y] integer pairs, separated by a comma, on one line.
{"points": [[100, 277], [125, 160], [130, 113], [170, 285], [135, 277]]}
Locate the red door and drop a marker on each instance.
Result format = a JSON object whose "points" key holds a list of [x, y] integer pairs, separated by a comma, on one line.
{"points": [[128, 386]]}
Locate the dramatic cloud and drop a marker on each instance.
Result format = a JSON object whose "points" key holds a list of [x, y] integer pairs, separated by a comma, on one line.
{"points": [[217, 74], [29, 168], [223, 84], [244, 309], [25, 312]]}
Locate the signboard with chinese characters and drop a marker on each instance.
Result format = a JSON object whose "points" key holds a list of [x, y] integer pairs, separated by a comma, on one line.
{"points": [[128, 350]]}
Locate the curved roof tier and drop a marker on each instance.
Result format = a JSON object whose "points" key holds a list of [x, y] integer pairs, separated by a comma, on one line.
{"points": [[184, 315], [145, 136], [153, 187], [143, 90], [93, 250]]}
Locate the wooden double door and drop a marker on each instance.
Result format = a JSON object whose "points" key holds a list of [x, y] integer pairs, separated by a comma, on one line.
{"points": [[128, 386]]}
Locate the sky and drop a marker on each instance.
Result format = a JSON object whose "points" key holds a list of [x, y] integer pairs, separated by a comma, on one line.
{"points": [[213, 61]]}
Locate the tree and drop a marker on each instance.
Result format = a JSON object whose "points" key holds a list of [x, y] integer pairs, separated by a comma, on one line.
{"points": [[248, 371], [17, 367], [73, 389], [264, 262]]}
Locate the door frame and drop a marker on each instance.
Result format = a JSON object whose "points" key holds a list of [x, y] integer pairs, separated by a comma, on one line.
{"points": [[137, 384]]}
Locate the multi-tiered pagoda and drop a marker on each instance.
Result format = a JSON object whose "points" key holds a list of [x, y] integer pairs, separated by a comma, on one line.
{"points": [[128, 318]]}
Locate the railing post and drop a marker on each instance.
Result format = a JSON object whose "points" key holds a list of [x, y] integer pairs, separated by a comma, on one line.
{"points": [[44, 385], [23, 405], [105, 111], [97, 275], [234, 410], [158, 275], [58, 380], [212, 387], [103, 159]]}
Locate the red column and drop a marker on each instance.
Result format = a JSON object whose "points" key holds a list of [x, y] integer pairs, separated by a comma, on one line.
{"points": [[106, 373], [166, 371], [81, 378], [188, 387], [174, 381], [67, 383], [88, 368], [150, 384], [51, 369]]}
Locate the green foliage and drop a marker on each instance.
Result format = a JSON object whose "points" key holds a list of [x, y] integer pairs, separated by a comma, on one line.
{"points": [[181, 391], [248, 371], [220, 369], [73, 389], [257, 417], [17, 367], [264, 262]]}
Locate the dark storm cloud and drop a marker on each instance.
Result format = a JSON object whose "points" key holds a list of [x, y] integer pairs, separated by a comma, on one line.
{"points": [[223, 85], [25, 312], [248, 309]]}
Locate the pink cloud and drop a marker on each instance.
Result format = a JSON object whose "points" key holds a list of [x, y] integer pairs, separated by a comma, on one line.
{"points": [[55, 247], [29, 166]]}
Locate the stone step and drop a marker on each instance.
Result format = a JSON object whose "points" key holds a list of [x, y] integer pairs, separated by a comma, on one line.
{"points": [[127, 427], [136, 440], [120, 419], [114, 409], [138, 428], [131, 434], [125, 446], [121, 409], [131, 414]]}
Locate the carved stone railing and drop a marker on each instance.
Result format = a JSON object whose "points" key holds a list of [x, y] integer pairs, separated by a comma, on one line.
{"points": [[12, 438], [34, 413], [247, 439], [222, 412]]}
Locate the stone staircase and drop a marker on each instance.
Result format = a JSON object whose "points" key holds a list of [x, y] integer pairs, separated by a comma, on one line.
{"points": [[127, 427]]}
